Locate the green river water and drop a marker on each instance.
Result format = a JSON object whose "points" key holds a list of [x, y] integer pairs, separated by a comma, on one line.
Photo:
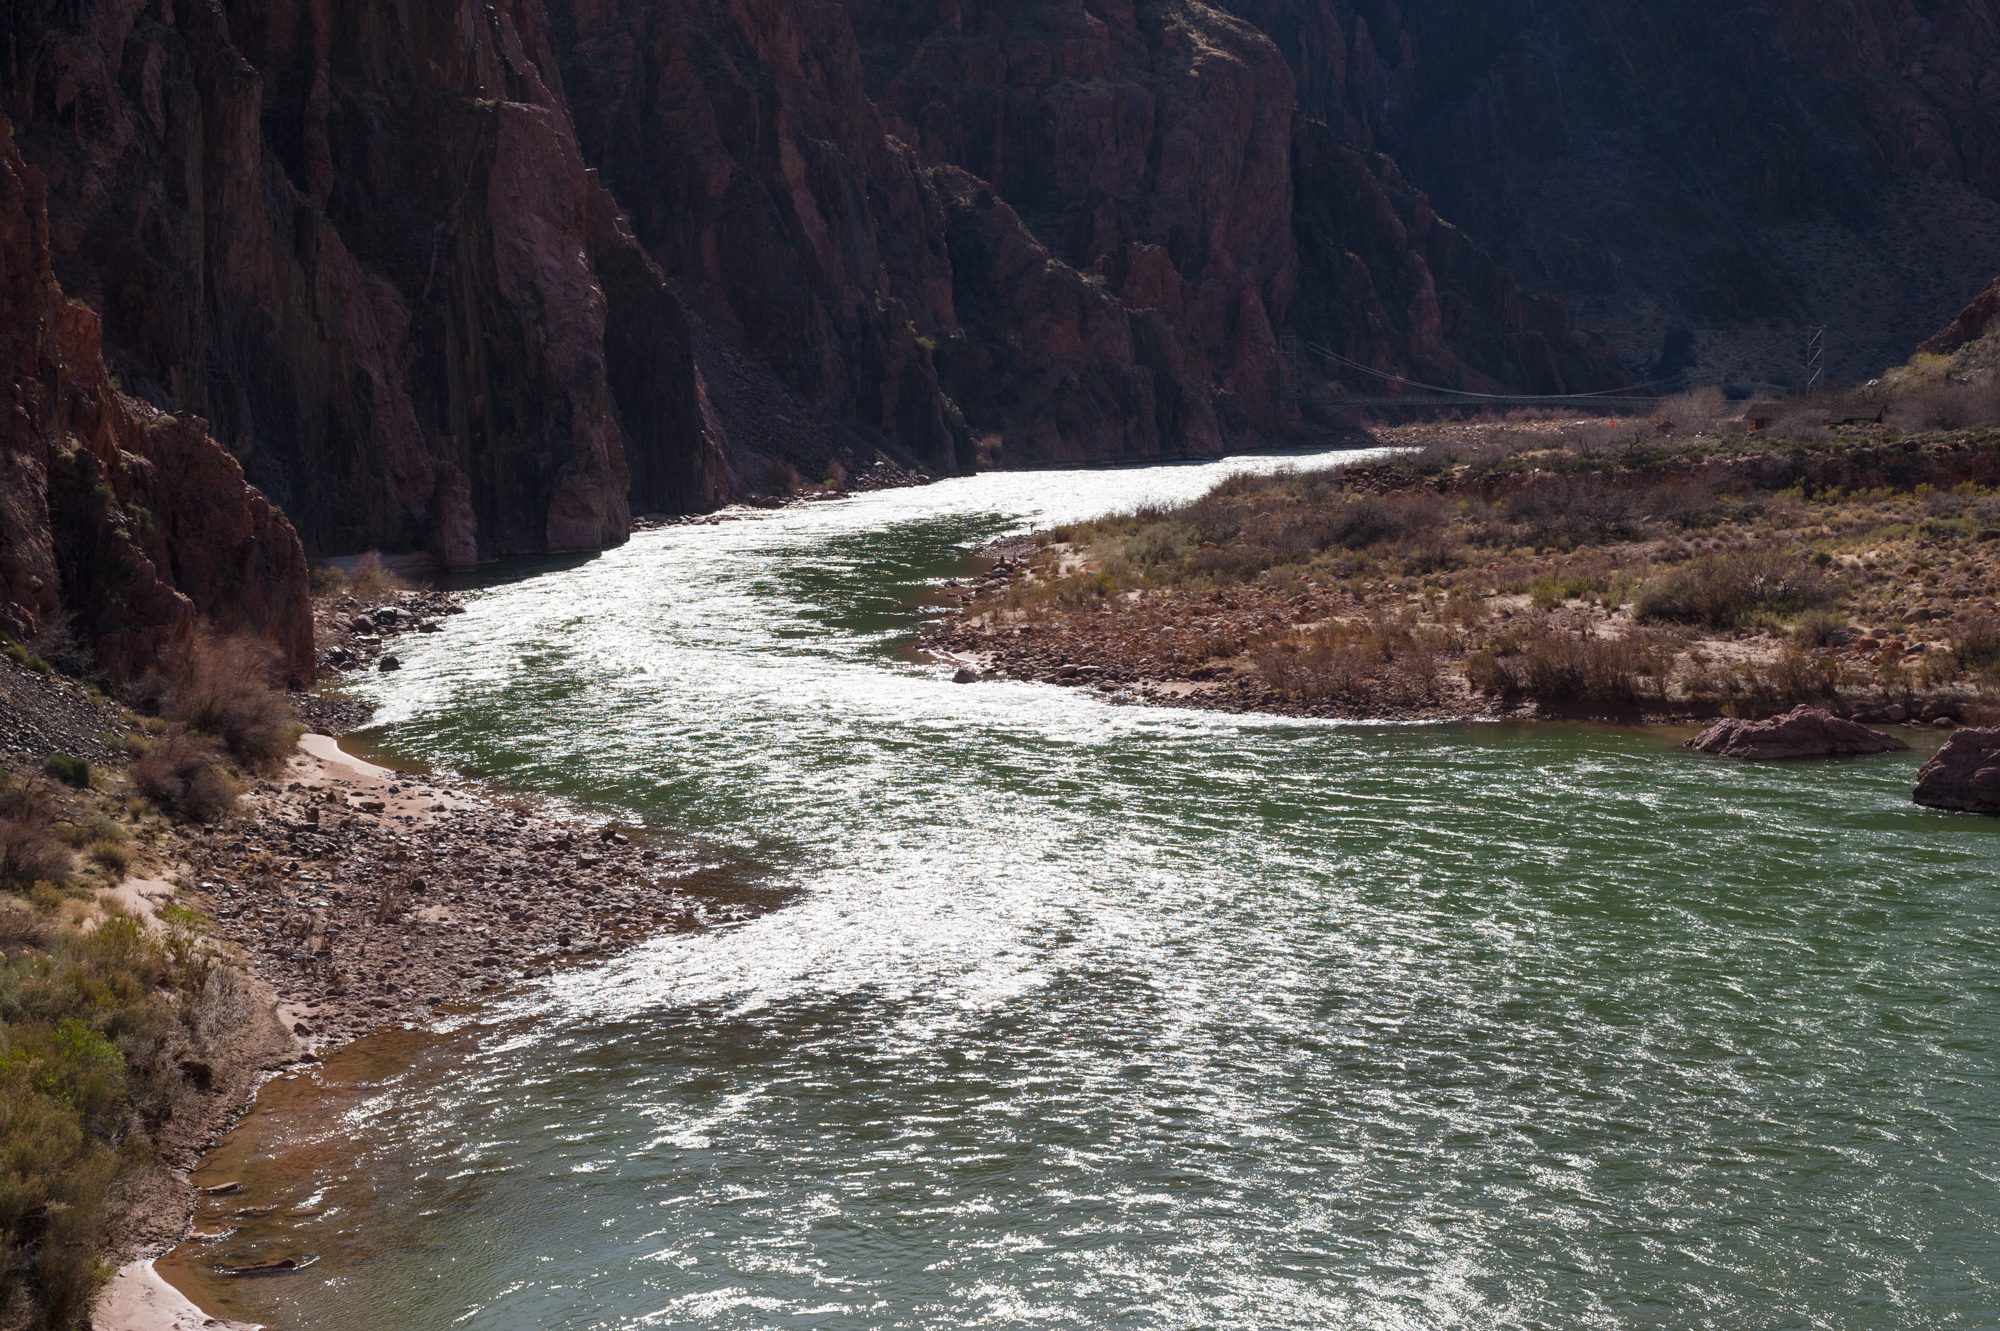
{"points": [[1078, 1015]]}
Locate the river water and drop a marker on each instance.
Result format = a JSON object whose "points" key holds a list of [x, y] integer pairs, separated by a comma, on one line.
{"points": [[1089, 1016]]}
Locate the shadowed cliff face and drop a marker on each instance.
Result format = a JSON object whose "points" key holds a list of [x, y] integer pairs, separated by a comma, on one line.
{"points": [[482, 278], [371, 245], [133, 522], [361, 241], [1700, 187]]}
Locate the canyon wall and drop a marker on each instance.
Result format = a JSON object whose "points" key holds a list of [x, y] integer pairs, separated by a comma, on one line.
{"points": [[479, 279], [484, 278], [1700, 187], [126, 523]]}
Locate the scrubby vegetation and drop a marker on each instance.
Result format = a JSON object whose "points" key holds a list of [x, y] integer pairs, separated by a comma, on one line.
{"points": [[222, 711], [1680, 565], [98, 1017], [368, 579]]}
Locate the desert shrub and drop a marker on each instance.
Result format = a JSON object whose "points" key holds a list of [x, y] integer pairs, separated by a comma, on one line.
{"points": [[31, 851], [228, 688], [1159, 546], [1819, 628], [371, 580], [111, 855], [1549, 592], [68, 769], [1482, 451], [1564, 510], [1693, 411], [78, 833], [1687, 502], [1321, 670], [1723, 590], [186, 775], [1796, 675], [1432, 551], [1553, 664], [1975, 645], [1376, 664], [21, 654], [1948, 406], [58, 643], [90, 1028], [1805, 426], [1367, 520]]}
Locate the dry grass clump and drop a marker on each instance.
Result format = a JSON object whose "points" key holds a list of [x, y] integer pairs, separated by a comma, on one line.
{"points": [[1722, 591], [31, 849], [187, 775], [228, 689], [1550, 662], [1378, 663]]}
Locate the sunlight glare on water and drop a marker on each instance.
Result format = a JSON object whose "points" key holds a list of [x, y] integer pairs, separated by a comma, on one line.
{"points": [[1089, 1016]]}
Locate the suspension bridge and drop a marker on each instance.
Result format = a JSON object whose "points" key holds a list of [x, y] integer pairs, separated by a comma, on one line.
{"points": [[1630, 397]]}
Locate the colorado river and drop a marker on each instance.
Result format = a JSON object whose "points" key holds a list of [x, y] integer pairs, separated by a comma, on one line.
{"points": [[1090, 1016]]}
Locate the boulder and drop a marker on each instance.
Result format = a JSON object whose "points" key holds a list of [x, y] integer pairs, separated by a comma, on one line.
{"points": [[1964, 774], [1803, 732]]}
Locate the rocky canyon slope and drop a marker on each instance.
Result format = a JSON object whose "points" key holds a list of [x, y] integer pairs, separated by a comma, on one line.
{"points": [[485, 278], [127, 523], [371, 245], [1700, 184]]}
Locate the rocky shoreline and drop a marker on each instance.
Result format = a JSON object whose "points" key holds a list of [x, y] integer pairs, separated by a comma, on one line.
{"points": [[349, 898], [355, 898], [1557, 570]]}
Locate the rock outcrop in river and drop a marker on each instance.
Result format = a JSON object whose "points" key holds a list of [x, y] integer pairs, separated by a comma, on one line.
{"points": [[1964, 774], [1803, 732]]}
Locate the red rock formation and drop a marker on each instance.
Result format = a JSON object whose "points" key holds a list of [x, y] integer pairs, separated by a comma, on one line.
{"points": [[1145, 146], [368, 242], [1980, 319], [1803, 732], [361, 240], [131, 520], [1964, 775]]}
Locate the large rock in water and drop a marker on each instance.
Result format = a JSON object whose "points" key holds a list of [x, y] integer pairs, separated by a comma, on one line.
{"points": [[1964, 774], [1803, 732]]}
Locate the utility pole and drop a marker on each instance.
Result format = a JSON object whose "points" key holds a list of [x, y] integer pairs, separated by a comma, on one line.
{"points": [[1815, 357], [1288, 369]]}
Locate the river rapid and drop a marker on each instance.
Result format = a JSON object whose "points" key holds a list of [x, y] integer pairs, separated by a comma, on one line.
{"points": [[1079, 1015]]}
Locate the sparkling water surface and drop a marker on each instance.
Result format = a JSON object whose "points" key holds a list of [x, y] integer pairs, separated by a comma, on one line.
{"points": [[1079, 1015]]}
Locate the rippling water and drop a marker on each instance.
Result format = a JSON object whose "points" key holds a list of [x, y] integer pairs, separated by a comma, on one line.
{"points": [[1088, 1016]]}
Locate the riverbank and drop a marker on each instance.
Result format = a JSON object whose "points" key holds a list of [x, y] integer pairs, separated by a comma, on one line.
{"points": [[328, 897], [353, 897], [1042, 953], [1568, 569]]}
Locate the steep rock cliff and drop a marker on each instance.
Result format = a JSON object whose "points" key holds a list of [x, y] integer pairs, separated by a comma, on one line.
{"points": [[360, 240], [133, 522], [481, 278], [1701, 188]]}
